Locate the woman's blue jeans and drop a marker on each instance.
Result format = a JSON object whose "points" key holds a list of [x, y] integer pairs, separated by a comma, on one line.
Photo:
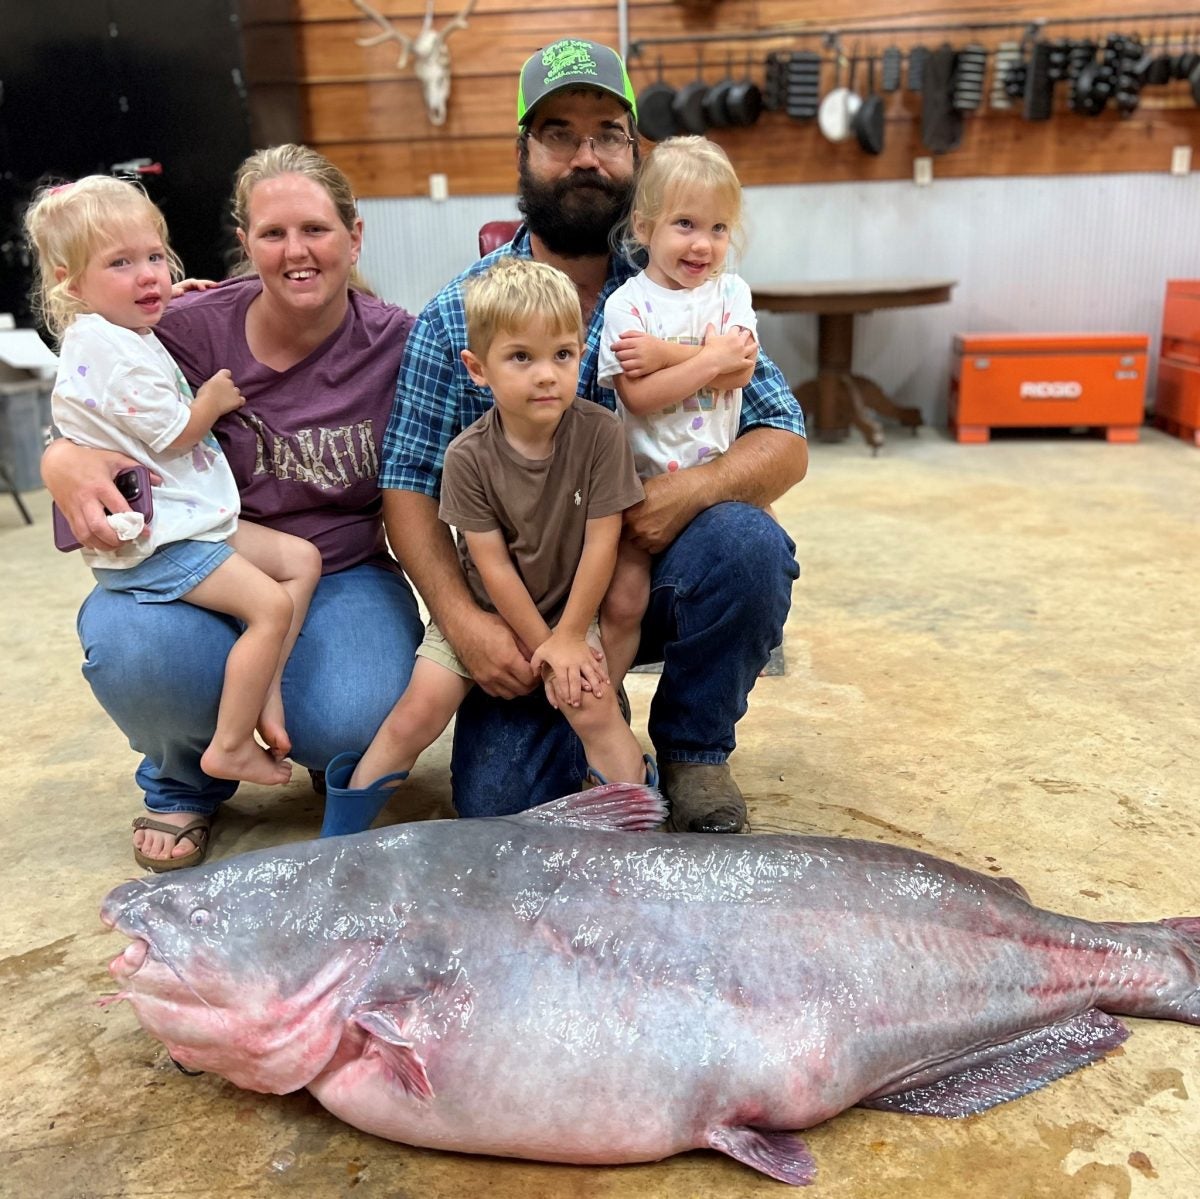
{"points": [[719, 596], [157, 670]]}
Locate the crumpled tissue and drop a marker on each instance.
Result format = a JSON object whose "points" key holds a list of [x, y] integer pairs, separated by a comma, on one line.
{"points": [[128, 526]]}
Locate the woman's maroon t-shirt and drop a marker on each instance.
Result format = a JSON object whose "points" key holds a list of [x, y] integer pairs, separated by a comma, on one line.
{"points": [[305, 447]]}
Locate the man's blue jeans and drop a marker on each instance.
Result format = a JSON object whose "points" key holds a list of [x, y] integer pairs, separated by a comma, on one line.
{"points": [[157, 670], [719, 596]]}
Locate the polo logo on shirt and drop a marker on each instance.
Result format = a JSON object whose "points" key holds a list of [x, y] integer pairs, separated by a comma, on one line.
{"points": [[578, 498]]}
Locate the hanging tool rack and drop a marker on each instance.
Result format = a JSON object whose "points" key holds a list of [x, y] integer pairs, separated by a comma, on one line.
{"points": [[1032, 68], [830, 34]]}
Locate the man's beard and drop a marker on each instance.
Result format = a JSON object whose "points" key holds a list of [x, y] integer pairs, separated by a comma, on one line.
{"points": [[573, 216]]}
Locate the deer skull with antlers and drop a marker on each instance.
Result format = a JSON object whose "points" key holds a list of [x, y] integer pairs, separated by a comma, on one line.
{"points": [[431, 58]]}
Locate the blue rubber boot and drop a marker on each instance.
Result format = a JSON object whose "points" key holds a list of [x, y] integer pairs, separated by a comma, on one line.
{"points": [[352, 809], [596, 779]]}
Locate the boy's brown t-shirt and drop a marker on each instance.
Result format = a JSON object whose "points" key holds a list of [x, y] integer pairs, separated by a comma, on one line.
{"points": [[541, 506]]}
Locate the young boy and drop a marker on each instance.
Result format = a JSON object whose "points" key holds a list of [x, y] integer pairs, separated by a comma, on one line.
{"points": [[536, 488]]}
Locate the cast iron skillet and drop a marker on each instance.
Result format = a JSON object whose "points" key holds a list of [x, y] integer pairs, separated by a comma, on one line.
{"points": [[745, 100], [716, 99], [688, 105], [868, 121], [656, 116]]}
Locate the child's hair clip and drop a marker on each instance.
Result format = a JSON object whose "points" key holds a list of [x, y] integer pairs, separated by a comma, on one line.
{"points": [[60, 187]]}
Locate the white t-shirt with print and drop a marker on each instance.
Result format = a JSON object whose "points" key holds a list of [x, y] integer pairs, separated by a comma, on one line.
{"points": [[706, 423], [121, 390]]}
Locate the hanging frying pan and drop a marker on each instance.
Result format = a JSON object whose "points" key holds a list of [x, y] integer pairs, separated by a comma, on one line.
{"points": [[1187, 59], [839, 106], [688, 105], [656, 115], [715, 104], [745, 100], [868, 121]]}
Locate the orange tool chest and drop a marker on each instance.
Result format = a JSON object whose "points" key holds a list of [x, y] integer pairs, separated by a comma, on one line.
{"points": [[1177, 397], [1036, 380]]}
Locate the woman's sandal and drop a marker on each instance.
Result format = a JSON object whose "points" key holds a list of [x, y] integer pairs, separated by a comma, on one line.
{"points": [[197, 832]]}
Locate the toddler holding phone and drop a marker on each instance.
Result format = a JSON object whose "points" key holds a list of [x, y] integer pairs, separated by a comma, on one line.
{"points": [[105, 276]]}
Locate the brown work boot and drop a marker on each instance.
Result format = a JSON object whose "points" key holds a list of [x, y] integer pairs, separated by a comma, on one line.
{"points": [[703, 798]]}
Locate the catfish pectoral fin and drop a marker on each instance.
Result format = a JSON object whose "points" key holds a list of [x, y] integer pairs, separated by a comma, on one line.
{"points": [[780, 1155], [399, 1055]]}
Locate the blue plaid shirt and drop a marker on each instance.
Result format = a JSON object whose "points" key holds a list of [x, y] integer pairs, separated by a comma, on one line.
{"points": [[436, 399]]}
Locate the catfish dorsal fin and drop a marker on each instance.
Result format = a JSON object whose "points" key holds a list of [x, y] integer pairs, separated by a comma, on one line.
{"points": [[387, 1041], [629, 807]]}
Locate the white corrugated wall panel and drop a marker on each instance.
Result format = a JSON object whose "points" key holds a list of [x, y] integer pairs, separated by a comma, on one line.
{"points": [[1052, 254]]}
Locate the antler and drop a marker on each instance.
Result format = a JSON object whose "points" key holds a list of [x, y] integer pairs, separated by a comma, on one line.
{"points": [[428, 49], [459, 22], [390, 32]]}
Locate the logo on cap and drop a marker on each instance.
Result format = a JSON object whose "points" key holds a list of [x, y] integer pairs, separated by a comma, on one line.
{"points": [[568, 57]]}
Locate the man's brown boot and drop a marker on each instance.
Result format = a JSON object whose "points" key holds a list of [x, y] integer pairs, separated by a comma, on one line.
{"points": [[703, 798]]}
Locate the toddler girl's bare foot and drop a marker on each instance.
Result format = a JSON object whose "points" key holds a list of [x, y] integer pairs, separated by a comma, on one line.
{"points": [[248, 762], [270, 727]]}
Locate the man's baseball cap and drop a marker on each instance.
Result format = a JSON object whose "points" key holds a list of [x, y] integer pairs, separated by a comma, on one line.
{"points": [[572, 62]]}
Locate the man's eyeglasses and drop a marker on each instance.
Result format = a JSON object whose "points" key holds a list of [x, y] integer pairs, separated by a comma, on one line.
{"points": [[562, 144]]}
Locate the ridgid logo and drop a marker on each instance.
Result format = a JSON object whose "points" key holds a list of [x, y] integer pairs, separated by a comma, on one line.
{"points": [[1065, 390]]}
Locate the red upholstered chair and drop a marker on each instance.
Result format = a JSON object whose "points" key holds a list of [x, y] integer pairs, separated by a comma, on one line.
{"points": [[495, 234]]}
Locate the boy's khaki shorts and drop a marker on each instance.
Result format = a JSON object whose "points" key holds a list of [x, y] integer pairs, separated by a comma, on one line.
{"points": [[436, 648]]}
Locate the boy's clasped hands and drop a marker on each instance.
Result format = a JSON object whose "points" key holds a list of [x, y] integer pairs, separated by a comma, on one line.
{"points": [[569, 665]]}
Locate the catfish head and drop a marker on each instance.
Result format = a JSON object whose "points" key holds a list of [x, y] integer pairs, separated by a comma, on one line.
{"points": [[248, 968]]}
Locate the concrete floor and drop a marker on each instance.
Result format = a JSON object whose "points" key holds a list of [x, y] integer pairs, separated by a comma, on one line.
{"points": [[993, 654]]}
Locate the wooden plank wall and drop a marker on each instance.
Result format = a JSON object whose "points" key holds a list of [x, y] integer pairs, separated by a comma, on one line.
{"points": [[355, 105]]}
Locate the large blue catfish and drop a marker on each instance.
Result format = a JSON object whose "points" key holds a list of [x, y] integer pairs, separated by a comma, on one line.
{"points": [[567, 986]]}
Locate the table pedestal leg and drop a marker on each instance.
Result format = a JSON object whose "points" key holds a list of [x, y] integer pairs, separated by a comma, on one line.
{"points": [[837, 396], [875, 397]]}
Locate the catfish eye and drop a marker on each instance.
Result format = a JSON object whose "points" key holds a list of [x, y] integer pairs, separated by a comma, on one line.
{"points": [[199, 917]]}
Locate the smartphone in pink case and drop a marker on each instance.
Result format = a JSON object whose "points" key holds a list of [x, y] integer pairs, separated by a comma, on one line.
{"points": [[133, 484]]}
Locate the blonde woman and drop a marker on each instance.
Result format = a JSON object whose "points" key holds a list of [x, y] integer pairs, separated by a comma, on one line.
{"points": [[315, 358]]}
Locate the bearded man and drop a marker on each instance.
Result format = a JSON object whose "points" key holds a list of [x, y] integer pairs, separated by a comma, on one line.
{"points": [[722, 567]]}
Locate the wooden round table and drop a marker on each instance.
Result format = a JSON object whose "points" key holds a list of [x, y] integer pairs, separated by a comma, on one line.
{"points": [[837, 396]]}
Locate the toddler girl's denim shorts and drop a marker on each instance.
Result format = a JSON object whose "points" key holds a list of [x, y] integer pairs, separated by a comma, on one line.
{"points": [[170, 572]]}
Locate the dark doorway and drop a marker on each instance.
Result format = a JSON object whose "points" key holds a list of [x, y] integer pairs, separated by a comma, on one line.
{"points": [[85, 87]]}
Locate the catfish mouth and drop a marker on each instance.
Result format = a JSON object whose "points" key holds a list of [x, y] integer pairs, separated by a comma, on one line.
{"points": [[128, 962], [148, 974], [190, 1027], [251, 1032]]}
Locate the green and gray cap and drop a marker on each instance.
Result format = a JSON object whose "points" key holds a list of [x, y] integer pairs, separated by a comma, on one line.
{"points": [[572, 62]]}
